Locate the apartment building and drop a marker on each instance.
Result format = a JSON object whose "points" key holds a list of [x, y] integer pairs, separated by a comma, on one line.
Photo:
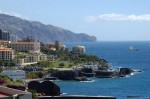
{"points": [[6, 53], [25, 46], [7, 36], [4, 43], [31, 59]]}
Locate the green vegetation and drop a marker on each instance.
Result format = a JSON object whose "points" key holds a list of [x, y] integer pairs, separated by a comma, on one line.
{"points": [[73, 60], [34, 94], [34, 75], [66, 59], [7, 63], [56, 64], [9, 81]]}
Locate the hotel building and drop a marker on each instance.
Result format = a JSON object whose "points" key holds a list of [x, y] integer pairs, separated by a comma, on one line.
{"points": [[25, 46], [22, 46], [6, 53], [4, 43]]}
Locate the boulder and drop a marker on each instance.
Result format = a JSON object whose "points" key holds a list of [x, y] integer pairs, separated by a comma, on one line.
{"points": [[81, 79], [104, 74], [47, 88], [125, 71]]}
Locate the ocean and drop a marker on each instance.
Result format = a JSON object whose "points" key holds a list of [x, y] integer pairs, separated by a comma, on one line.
{"points": [[118, 55]]}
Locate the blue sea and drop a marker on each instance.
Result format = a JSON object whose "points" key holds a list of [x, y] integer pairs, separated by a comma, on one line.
{"points": [[118, 55]]}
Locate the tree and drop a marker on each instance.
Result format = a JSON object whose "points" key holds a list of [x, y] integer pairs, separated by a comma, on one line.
{"points": [[33, 75], [57, 46], [61, 65]]}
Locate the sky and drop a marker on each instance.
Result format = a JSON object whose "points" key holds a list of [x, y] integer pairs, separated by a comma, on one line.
{"points": [[108, 20]]}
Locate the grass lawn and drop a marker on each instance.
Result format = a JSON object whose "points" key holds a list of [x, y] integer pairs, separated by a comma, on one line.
{"points": [[64, 64]]}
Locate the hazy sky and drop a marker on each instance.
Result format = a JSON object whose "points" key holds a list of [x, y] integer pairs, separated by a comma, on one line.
{"points": [[108, 20]]}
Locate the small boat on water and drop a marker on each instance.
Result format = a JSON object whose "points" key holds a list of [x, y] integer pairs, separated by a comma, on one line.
{"points": [[131, 48]]}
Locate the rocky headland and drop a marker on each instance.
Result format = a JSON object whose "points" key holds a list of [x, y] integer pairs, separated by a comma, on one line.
{"points": [[84, 73]]}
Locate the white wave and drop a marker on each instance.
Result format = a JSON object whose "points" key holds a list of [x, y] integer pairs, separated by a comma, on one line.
{"points": [[63, 93], [88, 81], [132, 74], [127, 76]]}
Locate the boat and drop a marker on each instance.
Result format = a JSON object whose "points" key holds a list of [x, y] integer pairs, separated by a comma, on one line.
{"points": [[131, 48]]}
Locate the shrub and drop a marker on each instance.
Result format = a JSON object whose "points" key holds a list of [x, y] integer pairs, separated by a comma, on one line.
{"points": [[61, 65]]}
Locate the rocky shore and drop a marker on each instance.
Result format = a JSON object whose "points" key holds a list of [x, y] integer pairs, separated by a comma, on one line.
{"points": [[82, 74]]}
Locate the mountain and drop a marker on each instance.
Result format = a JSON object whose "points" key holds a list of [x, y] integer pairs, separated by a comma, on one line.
{"points": [[45, 33]]}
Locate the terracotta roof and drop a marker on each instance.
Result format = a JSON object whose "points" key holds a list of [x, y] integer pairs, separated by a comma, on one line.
{"points": [[5, 50], [2, 48], [4, 41]]}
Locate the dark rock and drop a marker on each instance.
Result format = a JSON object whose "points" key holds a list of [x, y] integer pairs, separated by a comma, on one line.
{"points": [[35, 85], [50, 89], [104, 74], [88, 74], [16, 87], [64, 75], [81, 79], [87, 70], [125, 71], [103, 68], [47, 88]]}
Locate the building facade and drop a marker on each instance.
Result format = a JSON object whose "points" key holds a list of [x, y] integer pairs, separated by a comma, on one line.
{"points": [[4, 43], [25, 46], [22, 46], [31, 59], [4, 35], [1, 34], [13, 38], [6, 53], [78, 50]]}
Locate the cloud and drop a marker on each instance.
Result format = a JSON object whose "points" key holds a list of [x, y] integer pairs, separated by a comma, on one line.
{"points": [[15, 14], [118, 17]]}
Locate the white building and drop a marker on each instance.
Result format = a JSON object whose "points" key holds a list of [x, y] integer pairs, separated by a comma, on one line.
{"points": [[31, 59], [15, 74], [78, 49]]}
